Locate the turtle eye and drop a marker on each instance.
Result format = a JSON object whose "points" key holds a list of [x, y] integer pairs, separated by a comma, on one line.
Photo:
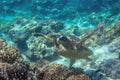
{"points": [[63, 38]]}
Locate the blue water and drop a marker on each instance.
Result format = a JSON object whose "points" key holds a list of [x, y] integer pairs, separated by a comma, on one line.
{"points": [[19, 19]]}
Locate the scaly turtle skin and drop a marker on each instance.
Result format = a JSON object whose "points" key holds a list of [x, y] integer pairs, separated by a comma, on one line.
{"points": [[71, 46]]}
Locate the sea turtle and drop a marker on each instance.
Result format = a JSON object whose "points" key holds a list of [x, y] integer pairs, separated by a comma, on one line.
{"points": [[71, 46]]}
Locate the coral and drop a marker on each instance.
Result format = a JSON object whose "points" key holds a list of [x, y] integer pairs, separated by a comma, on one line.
{"points": [[39, 48], [41, 70], [2, 77], [57, 26], [41, 63], [49, 71], [113, 31], [26, 27], [16, 71], [20, 70], [107, 34], [8, 53], [46, 71], [95, 74], [114, 46], [80, 77], [111, 68], [56, 72], [21, 27], [60, 72], [48, 26], [36, 69]]}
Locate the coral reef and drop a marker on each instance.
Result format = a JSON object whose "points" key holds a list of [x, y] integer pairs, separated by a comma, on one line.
{"points": [[81, 77], [55, 72], [8, 54], [60, 72], [26, 27], [18, 20], [39, 48], [21, 70], [21, 27], [111, 68], [18, 70], [112, 32], [48, 26], [114, 46], [95, 74], [40, 64], [2, 77], [14, 68], [109, 34], [43, 70]]}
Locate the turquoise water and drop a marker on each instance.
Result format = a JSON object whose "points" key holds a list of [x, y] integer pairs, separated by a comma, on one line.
{"points": [[20, 19]]}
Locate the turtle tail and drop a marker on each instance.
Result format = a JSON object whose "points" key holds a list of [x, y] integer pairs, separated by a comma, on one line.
{"points": [[99, 26]]}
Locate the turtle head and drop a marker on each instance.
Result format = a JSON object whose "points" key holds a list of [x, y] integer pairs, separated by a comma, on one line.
{"points": [[57, 40], [63, 39]]}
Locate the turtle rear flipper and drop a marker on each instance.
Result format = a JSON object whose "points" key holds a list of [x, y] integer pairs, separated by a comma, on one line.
{"points": [[72, 61]]}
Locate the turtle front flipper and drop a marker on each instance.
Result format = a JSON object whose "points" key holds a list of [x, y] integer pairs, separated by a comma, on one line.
{"points": [[45, 36], [99, 26]]}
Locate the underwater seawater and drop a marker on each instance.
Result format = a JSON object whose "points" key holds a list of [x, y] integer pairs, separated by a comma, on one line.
{"points": [[59, 39]]}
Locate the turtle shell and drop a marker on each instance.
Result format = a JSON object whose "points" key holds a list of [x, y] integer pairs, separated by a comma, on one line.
{"points": [[69, 41], [81, 52], [73, 40], [67, 44]]}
